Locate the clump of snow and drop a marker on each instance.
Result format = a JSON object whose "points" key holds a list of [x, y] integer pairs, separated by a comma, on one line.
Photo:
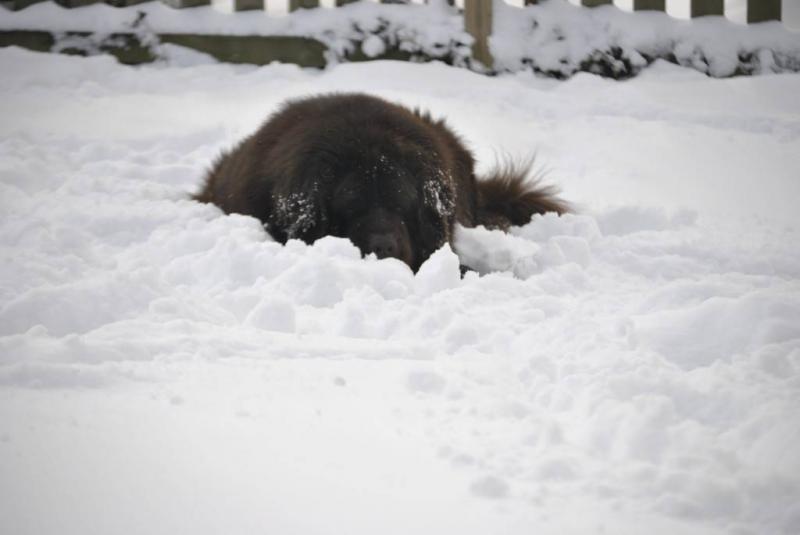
{"points": [[439, 272], [373, 46], [494, 250], [637, 361]]}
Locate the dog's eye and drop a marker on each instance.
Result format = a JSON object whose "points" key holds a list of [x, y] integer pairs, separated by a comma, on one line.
{"points": [[402, 199]]}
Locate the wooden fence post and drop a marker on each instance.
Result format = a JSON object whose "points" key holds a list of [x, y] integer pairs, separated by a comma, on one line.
{"points": [[294, 5], [763, 10], [649, 5], [595, 3], [478, 23], [701, 8]]}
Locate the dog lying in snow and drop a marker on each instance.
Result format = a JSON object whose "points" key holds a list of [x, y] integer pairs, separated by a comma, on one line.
{"points": [[392, 180]]}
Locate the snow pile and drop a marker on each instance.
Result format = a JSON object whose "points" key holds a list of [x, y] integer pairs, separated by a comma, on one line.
{"points": [[554, 38], [165, 368]]}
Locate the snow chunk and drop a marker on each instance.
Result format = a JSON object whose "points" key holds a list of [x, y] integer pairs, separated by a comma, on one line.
{"points": [[441, 271], [337, 247], [487, 251], [373, 46]]}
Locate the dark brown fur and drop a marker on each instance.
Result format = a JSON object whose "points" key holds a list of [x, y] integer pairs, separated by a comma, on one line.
{"points": [[392, 180]]}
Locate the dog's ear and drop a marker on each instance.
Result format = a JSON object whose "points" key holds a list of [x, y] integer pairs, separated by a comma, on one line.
{"points": [[438, 195], [436, 216]]}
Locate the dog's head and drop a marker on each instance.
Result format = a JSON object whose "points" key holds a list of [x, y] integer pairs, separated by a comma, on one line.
{"points": [[387, 202]]}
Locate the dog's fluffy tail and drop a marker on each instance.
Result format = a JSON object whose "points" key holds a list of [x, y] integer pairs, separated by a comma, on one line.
{"points": [[511, 195]]}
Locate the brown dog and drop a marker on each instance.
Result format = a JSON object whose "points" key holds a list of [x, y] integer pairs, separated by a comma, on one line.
{"points": [[392, 180]]}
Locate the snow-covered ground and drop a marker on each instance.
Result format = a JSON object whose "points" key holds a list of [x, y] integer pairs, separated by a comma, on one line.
{"points": [[632, 368]]}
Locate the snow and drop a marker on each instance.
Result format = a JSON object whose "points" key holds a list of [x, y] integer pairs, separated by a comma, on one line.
{"points": [[165, 368], [554, 37], [559, 38], [371, 26]]}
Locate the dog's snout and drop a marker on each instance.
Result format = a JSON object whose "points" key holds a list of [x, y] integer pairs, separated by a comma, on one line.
{"points": [[383, 245]]}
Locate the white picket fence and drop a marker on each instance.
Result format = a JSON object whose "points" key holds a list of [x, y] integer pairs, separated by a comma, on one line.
{"points": [[757, 10]]}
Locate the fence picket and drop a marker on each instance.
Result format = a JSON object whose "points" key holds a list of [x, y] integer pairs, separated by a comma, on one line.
{"points": [[247, 5], [649, 5], [294, 5], [763, 10], [701, 8]]}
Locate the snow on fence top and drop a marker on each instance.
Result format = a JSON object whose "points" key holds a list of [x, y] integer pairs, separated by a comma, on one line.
{"points": [[551, 37]]}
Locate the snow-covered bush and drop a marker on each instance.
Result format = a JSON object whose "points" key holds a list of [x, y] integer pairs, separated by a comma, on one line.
{"points": [[559, 39]]}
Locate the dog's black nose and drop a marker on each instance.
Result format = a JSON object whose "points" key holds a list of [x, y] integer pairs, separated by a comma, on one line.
{"points": [[383, 245]]}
